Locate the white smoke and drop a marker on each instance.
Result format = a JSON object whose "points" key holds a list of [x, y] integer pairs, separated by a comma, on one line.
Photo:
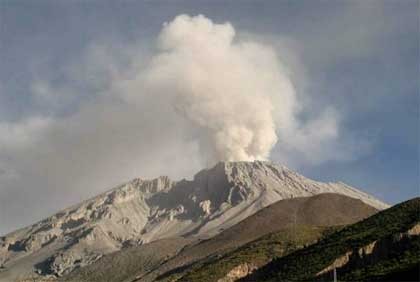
{"points": [[235, 93]]}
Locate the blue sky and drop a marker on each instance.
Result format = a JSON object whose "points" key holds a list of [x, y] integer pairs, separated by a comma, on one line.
{"points": [[359, 57]]}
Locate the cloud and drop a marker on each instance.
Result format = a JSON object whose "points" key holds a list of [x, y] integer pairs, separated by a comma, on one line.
{"points": [[203, 95], [23, 134]]}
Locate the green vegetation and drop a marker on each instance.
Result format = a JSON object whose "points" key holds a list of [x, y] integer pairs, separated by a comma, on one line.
{"points": [[399, 255], [404, 258], [258, 252]]}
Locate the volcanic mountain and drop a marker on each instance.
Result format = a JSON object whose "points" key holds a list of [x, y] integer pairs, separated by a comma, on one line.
{"points": [[143, 211]]}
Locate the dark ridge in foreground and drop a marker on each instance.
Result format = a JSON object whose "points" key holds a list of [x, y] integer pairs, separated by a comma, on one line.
{"points": [[384, 247]]}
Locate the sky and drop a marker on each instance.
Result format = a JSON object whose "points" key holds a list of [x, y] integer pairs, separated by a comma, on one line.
{"points": [[95, 93]]}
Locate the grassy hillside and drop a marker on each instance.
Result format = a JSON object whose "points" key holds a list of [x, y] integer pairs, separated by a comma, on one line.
{"points": [[395, 253], [257, 253]]}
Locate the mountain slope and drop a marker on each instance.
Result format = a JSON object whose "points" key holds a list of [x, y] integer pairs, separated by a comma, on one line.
{"points": [[384, 246], [142, 211], [305, 218], [241, 261], [127, 264], [308, 216]]}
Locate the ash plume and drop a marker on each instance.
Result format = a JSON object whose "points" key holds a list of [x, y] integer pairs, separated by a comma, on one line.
{"points": [[227, 90]]}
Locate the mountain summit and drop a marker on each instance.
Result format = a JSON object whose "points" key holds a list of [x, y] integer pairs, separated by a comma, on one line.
{"points": [[142, 211]]}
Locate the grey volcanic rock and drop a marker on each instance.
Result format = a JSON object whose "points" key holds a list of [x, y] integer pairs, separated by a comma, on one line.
{"points": [[142, 211]]}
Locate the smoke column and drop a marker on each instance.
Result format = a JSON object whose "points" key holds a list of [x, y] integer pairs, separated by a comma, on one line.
{"points": [[226, 90]]}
